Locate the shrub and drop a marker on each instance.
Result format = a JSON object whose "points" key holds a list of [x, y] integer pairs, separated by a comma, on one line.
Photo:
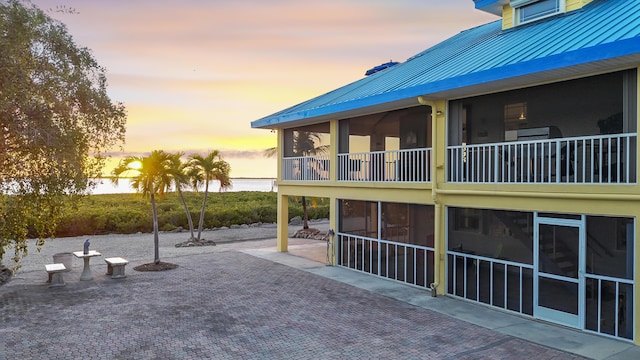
{"points": [[130, 213]]}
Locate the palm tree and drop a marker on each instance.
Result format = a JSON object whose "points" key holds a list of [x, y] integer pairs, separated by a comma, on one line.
{"points": [[205, 169], [181, 178], [304, 144], [153, 177]]}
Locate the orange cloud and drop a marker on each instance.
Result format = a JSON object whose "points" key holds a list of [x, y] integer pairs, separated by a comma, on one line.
{"points": [[194, 74]]}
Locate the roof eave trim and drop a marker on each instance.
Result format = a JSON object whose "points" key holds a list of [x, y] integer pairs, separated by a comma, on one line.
{"points": [[592, 54]]}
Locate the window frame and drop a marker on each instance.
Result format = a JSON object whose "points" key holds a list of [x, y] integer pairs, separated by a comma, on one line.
{"points": [[519, 5]]}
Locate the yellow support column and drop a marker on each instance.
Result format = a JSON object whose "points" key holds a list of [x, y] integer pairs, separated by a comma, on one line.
{"points": [[333, 150], [636, 245], [333, 178], [282, 242], [636, 291], [438, 148]]}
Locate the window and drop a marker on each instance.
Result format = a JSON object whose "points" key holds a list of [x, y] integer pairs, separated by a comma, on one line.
{"points": [[466, 219], [515, 115], [529, 10]]}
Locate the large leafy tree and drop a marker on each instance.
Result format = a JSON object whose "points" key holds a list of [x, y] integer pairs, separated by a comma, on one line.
{"points": [[152, 177], [204, 169], [57, 123]]}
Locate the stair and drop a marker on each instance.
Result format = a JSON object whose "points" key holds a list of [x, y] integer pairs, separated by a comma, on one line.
{"points": [[560, 256]]}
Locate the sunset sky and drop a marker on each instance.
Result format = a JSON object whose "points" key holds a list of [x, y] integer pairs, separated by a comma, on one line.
{"points": [[193, 74]]}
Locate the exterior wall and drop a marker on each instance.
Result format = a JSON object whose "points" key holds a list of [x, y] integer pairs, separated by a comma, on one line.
{"points": [[508, 18], [597, 200], [614, 201], [576, 4]]}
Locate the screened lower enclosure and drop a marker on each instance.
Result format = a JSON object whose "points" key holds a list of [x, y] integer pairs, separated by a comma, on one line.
{"points": [[574, 270], [391, 240]]}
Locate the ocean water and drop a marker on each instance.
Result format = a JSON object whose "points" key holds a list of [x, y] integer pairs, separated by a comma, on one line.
{"points": [[241, 184]]}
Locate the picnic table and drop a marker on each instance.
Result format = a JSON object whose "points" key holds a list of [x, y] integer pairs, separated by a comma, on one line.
{"points": [[86, 270]]}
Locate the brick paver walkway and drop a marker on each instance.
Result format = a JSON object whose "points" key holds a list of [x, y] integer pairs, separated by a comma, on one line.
{"points": [[231, 305]]}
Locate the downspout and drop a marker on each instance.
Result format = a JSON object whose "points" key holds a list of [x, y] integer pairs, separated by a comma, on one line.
{"points": [[434, 196]]}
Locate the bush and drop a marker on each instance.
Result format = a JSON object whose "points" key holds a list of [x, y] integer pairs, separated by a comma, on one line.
{"points": [[131, 213]]}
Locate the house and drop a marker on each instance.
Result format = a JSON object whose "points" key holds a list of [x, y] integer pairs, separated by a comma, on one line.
{"points": [[498, 166]]}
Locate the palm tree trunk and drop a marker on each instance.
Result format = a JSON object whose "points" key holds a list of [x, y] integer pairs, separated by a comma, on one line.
{"points": [[186, 210], [305, 216], [204, 206], [156, 240]]}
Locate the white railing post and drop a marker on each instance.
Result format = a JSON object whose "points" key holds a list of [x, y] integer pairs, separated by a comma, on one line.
{"points": [[406, 165], [599, 159]]}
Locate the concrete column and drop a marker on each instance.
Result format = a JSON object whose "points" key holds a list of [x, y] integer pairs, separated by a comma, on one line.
{"points": [[636, 286], [333, 150], [333, 201], [636, 243], [282, 242]]}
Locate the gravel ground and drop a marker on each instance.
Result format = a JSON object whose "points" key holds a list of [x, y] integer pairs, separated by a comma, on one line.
{"points": [[138, 248]]}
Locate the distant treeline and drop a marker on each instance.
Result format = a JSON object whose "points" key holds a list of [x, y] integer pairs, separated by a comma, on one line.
{"points": [[131, 213]]}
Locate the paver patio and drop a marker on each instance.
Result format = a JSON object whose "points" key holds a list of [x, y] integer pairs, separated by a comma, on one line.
{"points": [[232, 305]]}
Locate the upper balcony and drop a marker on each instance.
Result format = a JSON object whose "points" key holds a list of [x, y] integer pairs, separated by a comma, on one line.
{"points": [[409, 165], [378, 166], [601, 159], [385, 147], [574, 132]]}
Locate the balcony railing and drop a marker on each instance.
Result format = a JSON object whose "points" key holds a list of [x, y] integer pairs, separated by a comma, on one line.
{"points": [[410, 165], [602, 159], [306, 168]]}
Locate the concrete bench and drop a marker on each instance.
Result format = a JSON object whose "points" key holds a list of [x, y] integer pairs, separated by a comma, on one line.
{"points": [[55, 274], [115, 267]]}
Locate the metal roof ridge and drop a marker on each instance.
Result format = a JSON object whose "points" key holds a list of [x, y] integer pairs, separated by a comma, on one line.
{"points": [[486, 53]]}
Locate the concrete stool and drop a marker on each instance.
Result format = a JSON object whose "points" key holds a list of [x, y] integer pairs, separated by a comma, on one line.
{"points": [[115, 267], [55, 274]]}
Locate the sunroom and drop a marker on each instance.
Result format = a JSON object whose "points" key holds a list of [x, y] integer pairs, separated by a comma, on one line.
{"points": [[579, 131], [391, 146]]}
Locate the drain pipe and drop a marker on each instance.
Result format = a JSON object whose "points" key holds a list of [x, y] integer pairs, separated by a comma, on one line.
{"points": [[330, 235], [434, 196]]}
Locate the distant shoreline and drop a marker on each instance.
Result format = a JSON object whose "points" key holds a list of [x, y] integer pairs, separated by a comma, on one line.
{"points": [[233, 178], [104, 185]]}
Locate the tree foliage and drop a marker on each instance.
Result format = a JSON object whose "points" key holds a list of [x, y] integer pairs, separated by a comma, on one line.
{"points": [[153, 177], [204, 169], [57, 122], [181, 179]]}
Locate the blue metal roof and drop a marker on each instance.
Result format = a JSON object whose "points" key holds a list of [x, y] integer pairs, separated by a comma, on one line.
{"points": [[604, 34], [491, 6]]}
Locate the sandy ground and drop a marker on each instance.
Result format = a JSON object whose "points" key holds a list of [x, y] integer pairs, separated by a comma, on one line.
{"points": [[139, 248]]}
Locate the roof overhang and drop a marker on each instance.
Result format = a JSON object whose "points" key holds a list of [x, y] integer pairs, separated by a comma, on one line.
{"points": [[491, 6], [602, 58]]}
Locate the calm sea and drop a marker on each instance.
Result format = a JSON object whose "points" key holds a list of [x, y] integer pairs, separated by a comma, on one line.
{"points": [[124, 186]]}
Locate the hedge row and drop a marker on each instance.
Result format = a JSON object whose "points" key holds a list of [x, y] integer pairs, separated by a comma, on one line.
{"points": [[131, 213]]}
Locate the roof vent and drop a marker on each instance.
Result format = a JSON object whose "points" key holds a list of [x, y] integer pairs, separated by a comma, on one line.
{"points": [[381, 67]]}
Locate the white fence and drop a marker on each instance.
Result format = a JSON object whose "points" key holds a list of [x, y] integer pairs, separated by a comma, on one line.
{"points": [[306, 168], [410, 165], [598, 159], [601, 159], [503, 284], [407, 263]]}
